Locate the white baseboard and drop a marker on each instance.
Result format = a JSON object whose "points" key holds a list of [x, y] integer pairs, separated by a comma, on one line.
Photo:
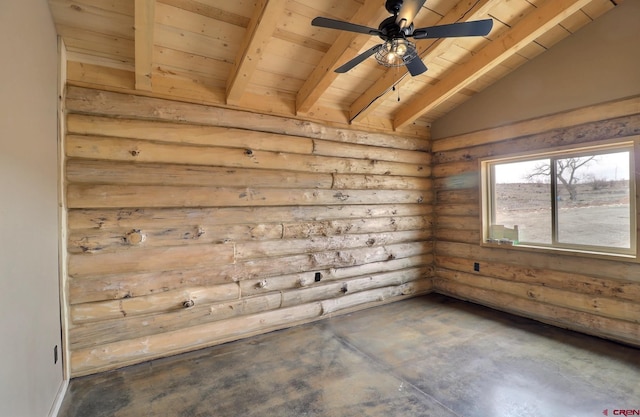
{"points": [[62, 390]]}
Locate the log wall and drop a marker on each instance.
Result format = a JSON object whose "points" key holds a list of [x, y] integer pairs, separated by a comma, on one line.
{"points": [[190, 225], [595, 296]]}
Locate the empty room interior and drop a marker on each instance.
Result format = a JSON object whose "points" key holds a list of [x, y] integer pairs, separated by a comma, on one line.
{"points": [[320, 208]]}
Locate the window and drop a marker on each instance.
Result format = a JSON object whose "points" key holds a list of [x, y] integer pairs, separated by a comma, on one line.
{"points": [[579, 200]]}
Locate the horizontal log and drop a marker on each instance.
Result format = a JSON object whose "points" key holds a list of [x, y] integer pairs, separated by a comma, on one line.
{"points": [[620, 330], [184, 133], [122, 353], [372, 182], [360, 256], [316, 293], [140, 218], [335, 289], [136, 284], [112, 286], [460, 209], [393, 278], [619, 269], [458, 235], [357, 151], [109, 331], [264, 268], [449, 197], [597, 305], [471, 223], [135, 173], [422, 260], [306, 279], [100, 241], [86, 171], [155, 303], [463, 169], [119, 149], [363, 225], [408, 290], [84, 100], [376, 295], [122, 196], [253, 250], [278, 283], [568, 281], [149, 260]]}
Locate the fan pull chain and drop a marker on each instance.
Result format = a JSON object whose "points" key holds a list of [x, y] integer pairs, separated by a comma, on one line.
{"points": [[397, 90], [393, 88]]}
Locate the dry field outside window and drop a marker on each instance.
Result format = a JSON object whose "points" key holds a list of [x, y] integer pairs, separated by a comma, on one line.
{"points": [[600, 214]]}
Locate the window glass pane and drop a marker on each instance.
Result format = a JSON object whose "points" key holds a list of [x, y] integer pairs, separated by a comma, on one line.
{"points": [[593, 200], [581, 200], [522, 198]]}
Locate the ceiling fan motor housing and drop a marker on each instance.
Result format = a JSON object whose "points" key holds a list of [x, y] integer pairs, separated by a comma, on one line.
{"points": [[389, 29]]}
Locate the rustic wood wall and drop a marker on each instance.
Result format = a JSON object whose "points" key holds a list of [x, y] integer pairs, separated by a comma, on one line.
{"points": [[596, 296], [191, 225]]}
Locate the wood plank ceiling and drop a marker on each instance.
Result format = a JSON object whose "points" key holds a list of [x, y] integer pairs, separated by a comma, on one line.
{"points": [[265, 56]]}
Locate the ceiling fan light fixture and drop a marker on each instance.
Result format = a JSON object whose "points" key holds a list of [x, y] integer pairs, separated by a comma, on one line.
{"points": [[396, 52]]}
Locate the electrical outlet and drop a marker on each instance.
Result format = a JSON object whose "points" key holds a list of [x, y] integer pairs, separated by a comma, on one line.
{"points": [[476, 266], [55, 354]]}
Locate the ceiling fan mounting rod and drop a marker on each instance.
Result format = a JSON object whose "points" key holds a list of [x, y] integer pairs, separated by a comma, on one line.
{"points": [[393, 6]]}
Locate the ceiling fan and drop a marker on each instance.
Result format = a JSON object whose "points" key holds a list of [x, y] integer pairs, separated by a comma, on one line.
{"points": [[397, 50]]}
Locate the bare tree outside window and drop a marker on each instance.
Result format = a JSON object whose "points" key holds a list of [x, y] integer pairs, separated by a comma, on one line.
{"points": [[566, 173]]}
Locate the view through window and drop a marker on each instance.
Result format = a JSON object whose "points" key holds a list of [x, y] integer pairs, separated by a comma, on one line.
{"points": [[582, 200]]}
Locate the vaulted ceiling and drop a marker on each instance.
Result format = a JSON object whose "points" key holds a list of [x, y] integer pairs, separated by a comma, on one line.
{"points": [[265, 56]]}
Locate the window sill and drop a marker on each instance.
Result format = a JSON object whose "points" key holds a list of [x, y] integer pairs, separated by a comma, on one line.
{"points": [[506, 244]]}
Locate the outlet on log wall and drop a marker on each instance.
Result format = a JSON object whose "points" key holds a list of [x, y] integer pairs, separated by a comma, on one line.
{"points": [[190, 225], [596, 296]]}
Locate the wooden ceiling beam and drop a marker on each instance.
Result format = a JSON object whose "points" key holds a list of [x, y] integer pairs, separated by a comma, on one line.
{"points": [[464, 11], [549, 14], [144, 23], [260, 30], [345, 48]]}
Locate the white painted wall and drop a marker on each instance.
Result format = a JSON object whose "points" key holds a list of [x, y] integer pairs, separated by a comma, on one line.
{"points": [[29, 301], [599, 63]]}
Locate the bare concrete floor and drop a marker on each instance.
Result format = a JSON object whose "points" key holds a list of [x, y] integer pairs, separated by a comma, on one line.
{"points": [[429, 356]]}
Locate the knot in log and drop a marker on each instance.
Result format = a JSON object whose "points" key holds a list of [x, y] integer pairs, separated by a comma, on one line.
{"points": [[134, 237]]}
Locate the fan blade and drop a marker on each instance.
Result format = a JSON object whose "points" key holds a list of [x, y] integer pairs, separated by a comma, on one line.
{"points": [[325, 22], [455, 30], [355, 61], [416, 66], [408, 12]]}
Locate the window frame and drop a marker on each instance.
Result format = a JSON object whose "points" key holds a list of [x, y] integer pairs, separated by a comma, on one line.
{"points": [[487, 194]]}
